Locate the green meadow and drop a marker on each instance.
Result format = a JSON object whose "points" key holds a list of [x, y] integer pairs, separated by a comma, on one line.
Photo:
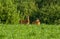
{"points": [[21, 31]]}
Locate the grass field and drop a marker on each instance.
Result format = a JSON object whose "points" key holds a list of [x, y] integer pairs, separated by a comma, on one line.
{"points": [[29, 31]]}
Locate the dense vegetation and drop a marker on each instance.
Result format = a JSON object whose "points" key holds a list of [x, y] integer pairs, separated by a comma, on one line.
{"points": [[29, 31], [48, 11]]}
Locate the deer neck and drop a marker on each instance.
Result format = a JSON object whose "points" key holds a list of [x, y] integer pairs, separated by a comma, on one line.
{"points": [[28, 20]]}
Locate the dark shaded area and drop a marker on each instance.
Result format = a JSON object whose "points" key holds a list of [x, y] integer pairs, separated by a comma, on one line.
{"points": [[2, 36]]}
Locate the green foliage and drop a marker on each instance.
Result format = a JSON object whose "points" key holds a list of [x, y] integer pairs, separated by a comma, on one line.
{"points": [[50, 14], [8, 12], [48, 11], [27, 8]]}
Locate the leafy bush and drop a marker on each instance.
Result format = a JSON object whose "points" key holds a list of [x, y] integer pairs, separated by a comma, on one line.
{"points": [[11, 11], [8, 13]]}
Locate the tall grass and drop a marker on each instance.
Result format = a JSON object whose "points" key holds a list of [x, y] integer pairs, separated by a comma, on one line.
{"points": [[29, 31]]}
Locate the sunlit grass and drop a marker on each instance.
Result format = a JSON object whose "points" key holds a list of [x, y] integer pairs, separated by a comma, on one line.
{"points": [[22, 31]]}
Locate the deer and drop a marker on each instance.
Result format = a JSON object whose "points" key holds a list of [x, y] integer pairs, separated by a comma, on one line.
{"points": [[37, 22], [26, 21]]}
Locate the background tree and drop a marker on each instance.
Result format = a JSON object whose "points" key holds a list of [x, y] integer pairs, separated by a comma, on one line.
{"points": [[48, 11]]}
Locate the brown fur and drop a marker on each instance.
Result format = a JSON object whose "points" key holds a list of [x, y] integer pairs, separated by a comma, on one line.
{"points": [[26, 21], [37, 22]]}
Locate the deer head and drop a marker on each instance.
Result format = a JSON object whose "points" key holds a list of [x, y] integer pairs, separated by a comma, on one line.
{"points": [[37, 22]]}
